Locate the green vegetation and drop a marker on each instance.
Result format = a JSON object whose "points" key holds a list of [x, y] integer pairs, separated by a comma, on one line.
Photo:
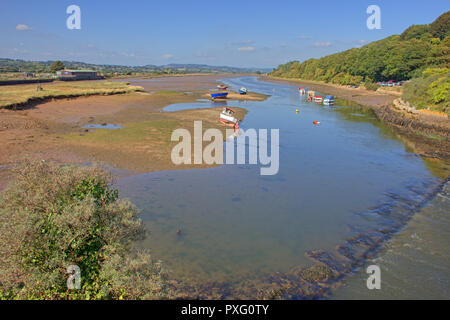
{"points": [[52, 217], [399, 57], [431, 90], [17, 95], [430, 136]]}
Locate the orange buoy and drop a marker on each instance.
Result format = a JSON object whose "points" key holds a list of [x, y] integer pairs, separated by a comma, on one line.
{"points": [[315, 122]]}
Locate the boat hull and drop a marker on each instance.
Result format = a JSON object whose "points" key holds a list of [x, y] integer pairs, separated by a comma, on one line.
{"points": [[228, 120], [222, 95]]}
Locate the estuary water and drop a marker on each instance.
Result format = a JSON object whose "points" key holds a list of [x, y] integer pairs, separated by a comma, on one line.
{"points": [[344, 177]]}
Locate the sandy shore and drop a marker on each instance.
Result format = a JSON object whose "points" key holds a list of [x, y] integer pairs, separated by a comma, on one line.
{"points": [[54, 130]]}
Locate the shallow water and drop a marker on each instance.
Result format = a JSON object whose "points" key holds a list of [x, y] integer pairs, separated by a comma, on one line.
{"points": [[236, 224], [109, 126], [415, 264]]}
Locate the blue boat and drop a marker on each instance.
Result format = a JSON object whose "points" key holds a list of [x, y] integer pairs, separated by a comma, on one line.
{"points": [[243, 90], [329, 100], [220, 95]]}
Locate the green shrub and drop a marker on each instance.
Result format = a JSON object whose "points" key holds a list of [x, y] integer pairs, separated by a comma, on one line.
{"points": [[431, 90], [54, 216]]}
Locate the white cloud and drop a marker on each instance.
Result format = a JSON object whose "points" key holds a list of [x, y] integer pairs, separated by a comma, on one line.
{"points": [[167, 56], [243, 43], [322, 44], [248, 49], [22, 27]]}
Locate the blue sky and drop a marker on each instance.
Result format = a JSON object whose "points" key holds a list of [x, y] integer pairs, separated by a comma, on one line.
{"points": [[245, 33]]}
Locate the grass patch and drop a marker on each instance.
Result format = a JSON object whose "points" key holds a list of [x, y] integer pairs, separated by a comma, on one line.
{"points": [[131, 133], [430, 136], [21, 95]]}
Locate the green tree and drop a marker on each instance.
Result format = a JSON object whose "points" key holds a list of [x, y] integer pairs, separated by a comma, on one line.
{"points": [[56, 66], [441, 27]]}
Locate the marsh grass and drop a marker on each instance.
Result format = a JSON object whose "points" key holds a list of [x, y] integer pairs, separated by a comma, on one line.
{"points": [[21, 95]]}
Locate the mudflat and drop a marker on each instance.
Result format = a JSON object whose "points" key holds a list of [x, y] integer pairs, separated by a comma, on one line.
{"points": [[60, 130]]}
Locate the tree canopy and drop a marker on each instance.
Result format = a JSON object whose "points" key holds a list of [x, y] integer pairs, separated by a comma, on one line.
{"points": [[399, 57]]}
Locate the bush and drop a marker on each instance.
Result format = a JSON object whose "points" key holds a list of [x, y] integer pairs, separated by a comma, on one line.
{"points": [[54, 216], [369, 85], [431, 90]]}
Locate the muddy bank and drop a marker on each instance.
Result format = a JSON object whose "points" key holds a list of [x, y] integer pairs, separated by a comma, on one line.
{"points": [[429, 133]]}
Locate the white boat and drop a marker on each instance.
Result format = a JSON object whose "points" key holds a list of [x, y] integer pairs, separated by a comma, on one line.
{"points": [[318, 99], [243, 90], [227, 117]]}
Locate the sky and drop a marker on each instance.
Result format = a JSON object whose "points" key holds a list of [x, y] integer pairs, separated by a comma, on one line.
{"points": [[245, 33]]}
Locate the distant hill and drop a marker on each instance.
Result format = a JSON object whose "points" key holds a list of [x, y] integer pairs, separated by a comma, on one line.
{"points": [[12, 65], [399, 57]]}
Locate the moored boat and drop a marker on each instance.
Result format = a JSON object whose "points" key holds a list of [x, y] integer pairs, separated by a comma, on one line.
{"points": [[302, 91], [318, 99], [329, 100], [243, 90], [222, 87], [219, 95], [227, 117]]}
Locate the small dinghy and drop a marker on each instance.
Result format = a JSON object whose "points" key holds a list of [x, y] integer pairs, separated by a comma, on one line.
{"points": [[243, 90], [227, 117], [329, 100], [318, 99]]}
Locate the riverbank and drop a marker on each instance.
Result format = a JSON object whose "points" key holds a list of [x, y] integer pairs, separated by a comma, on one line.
{"points": [[429, 132], [58, 130]]}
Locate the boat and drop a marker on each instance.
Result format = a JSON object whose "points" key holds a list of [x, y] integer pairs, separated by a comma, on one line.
{"points": [[243, 90], [222, 87], [219, 95], [318, 99], [302, 91], [311, 95], [227, 117], [329, 100]]}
